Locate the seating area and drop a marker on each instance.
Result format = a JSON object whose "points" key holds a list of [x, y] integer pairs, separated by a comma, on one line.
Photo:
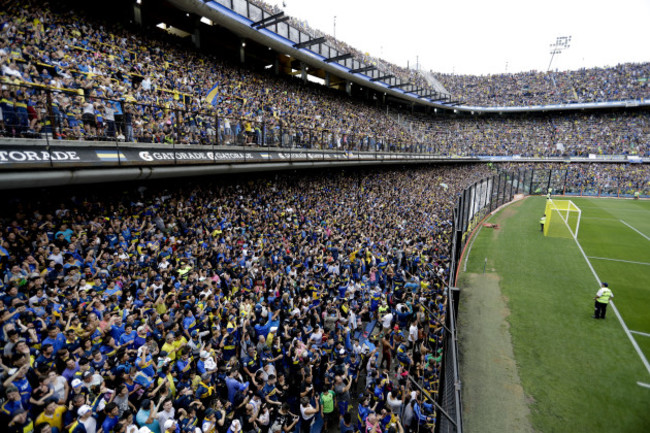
{"points": [[115, 83], [576, 134], [228, 306], [81, 79], [621, 82]]}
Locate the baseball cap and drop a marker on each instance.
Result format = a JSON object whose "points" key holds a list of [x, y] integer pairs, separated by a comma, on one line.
{"points": [[169, 424], [84, 410], [76, 383]]}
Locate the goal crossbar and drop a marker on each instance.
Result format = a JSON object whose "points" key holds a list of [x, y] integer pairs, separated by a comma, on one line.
{"points": [[564, 213]]}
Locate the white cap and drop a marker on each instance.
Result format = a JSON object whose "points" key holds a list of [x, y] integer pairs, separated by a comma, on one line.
{"points": [[235, 426], [169, 424], [76, 383], [144, 429], [84, 410], [204, 354]]}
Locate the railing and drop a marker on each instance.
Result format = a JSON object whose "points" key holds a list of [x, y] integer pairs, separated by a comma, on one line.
{"points": [[296, 33], [70, 114]]}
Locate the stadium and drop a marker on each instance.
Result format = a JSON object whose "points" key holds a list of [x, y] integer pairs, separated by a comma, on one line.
{"points": [[218, 219]]}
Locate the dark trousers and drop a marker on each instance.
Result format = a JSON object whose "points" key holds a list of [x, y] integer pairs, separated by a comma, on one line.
{"points": [[600, 310], [542, 226]]}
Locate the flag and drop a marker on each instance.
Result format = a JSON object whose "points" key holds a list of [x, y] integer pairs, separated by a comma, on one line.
{"points": [[211, 97], [3, 252]]}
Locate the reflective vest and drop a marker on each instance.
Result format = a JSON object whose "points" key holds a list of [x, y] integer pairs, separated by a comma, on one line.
{"points": [[542, 220], [604, 298]]}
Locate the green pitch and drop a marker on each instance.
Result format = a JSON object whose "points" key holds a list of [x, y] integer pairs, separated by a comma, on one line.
{"points": [[578, 374]]}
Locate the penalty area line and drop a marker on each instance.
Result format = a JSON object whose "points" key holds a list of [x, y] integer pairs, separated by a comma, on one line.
{"points": [[619, 260], [642, 234], [640, 333], [645, 385], [644, 360]]}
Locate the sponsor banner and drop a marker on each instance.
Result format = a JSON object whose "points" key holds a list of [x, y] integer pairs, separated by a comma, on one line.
{"points": [[31, 156], [60, 156]]}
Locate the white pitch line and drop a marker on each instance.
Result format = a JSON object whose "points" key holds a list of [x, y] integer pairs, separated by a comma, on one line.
{"points": [[619, 260], [645, 385], [646, 237], [618, 315], [640, 333], [469, 250]]}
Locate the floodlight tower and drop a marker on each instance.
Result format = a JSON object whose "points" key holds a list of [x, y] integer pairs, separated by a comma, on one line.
{"points": [[561, 43]]}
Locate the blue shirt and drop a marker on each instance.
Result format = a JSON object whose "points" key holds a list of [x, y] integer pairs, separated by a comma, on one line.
{"points": [[233, 386], [25, 390], [57, 343], [10, 407], [146, 366], [109, 423], [127, 339], [116, 332]]}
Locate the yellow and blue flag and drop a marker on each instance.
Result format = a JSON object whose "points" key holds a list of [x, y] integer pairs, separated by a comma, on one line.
{"points": [[211, 97]]}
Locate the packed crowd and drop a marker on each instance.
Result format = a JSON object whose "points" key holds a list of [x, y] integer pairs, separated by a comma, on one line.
{"points": [[577, 134], [621, 82], [406, 75], [615, 179], [108, 83], [261, 305], [104, 70]]}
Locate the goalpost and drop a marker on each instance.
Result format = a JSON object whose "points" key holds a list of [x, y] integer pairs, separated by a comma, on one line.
{"points": [[562, 219]]}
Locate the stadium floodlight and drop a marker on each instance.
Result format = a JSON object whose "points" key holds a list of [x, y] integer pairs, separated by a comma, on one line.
{"points": [[561, 43], [562, 219]]}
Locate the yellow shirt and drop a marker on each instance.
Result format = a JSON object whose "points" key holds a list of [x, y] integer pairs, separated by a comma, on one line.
{"points": [[169, 348], [179, 343], [55, 420], [170, 384]]}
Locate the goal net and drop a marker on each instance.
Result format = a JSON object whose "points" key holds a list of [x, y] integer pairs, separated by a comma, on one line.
{"points": [[562, 219]]}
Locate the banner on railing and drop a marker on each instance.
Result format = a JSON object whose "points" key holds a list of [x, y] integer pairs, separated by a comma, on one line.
{"points": [[40, 156]]}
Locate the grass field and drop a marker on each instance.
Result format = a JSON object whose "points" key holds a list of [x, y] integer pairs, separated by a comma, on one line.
{"points": [[578, 374]]}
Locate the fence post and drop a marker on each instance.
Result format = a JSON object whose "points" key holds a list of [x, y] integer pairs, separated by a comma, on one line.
{"points": [[50, 112]]}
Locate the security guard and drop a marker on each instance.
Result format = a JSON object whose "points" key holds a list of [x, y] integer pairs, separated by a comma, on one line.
{"points": [[542, 220], [602, 299]]}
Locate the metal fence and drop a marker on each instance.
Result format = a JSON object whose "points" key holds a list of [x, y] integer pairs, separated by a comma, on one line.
{"points": [[61, 115], [473, 205]]}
